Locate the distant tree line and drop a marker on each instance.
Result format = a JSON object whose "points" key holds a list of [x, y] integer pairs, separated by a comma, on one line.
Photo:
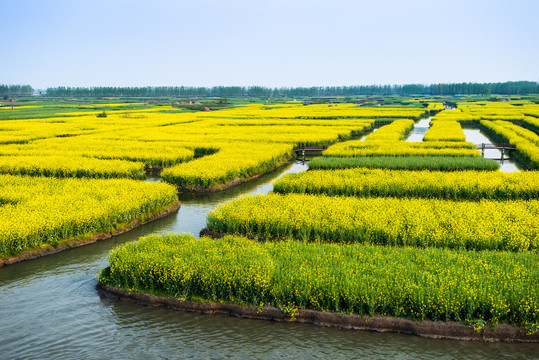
{"points": [[505, 88], [16, 90]]}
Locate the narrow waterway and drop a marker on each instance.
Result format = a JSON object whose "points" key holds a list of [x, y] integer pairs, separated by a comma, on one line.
{"points": [[50, 309], [476, 137], [473, 136], [418, 132]]}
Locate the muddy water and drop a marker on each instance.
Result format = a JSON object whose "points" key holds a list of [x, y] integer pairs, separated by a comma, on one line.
{"points": [[49, 309]]}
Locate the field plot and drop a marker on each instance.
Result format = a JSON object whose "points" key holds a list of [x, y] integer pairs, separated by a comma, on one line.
{"points": [[362, 182], [445, 131], [37, 212], [487, 224], [435, 163], [525, 141], [495, 287]]}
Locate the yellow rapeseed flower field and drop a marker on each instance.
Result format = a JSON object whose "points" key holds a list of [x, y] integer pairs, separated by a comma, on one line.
{"points": [[486, 224], [43, 211], [425, 184]]}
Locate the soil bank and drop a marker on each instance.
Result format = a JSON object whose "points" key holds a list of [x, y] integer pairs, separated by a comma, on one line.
{"points": [[425, 328]]}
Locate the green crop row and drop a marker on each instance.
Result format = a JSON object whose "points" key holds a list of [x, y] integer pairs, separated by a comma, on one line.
{"points": [[495, 287], [439, 163]]}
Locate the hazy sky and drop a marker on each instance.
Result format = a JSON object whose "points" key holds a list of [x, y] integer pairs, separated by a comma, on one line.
{"points": [[269, 43]]}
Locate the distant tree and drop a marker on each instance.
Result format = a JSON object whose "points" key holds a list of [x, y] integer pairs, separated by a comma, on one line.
{"points": [[507, 88]]}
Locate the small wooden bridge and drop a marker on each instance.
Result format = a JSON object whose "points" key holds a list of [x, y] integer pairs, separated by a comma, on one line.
{"points": [[502, 147], [309, 149], [305, 149]]}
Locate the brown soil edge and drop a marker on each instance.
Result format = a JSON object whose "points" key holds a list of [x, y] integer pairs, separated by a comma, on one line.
{"points": [[235, 182], [78, 242], [425, 328], [207, 232], [218, 235]]}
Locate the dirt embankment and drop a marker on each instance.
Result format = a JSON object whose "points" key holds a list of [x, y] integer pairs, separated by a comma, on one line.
{"points": [[77, 242], [426, 328]]}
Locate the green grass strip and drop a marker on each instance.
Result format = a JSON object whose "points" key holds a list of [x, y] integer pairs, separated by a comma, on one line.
{"points": [[441, 163]]}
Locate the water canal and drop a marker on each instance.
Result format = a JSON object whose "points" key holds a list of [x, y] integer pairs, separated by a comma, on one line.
{"points": [[418, 132], [50, 309], [474, 136]]}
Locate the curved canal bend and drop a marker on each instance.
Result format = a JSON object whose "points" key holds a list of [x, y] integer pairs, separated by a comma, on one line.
{"points": [[49, 308]]}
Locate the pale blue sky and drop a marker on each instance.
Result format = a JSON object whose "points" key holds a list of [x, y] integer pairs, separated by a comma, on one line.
{"points": [[268, 43]]}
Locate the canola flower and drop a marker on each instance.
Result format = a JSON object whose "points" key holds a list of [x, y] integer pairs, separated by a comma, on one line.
{"points": [[360, 123], [531, 122], [386, 141], [395, 131], [363, 182], [435, 106], [473, 112], [436, 284], [149, 153], [456, 115], [445, 131], [235, 161], [483, 225], [316, 111], [42, 211], [18, 107], [198, 150], [60, 166]]}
